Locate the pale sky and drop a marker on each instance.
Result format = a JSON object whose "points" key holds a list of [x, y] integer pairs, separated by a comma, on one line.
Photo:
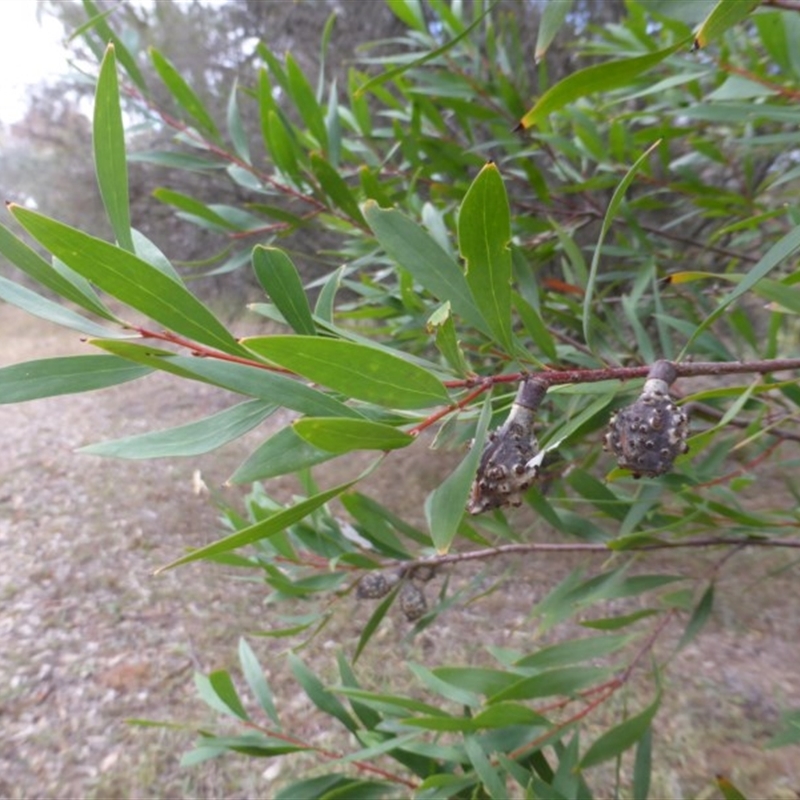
{"points": [[29, 53]]}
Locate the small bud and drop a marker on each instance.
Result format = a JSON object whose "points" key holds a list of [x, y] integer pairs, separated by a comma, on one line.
{"points": [[412, 601], [375, 584], [505, 470], [647, 436]]}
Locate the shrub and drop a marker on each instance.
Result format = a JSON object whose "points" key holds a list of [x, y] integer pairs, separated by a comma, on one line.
{"points": [[511, 277]]}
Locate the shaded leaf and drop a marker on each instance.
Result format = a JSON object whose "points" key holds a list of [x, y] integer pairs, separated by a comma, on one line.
{"points": [[445, 506], [616, 741], [68, 375], [343, 435], [191, 439], [724, 15]]}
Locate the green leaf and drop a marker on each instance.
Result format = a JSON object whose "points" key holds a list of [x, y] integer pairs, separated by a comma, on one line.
{"points": [[616, 741], [374, 621], [281, 454], [729, 791], [445, 506], [195, 208], [266, 528], [218, 691], [574, 651], [183, 94], [599, 78], [98, 22], [724, 15], [109, 151], [700, 616], [321, 697], [622, 621], [484, 234], [565, 681], [129, 279], [355, 370], [254, 675], [781, 250], [611, 211], [41, 307], [553, 17], [343, 435], [68, 375], [441, 321], [494, 784], [418, 62], [303, 97], [239, 378], [417, 252], [643, 765], [235, 128], [281, 281], [32, 264], [192, 439], [335, 187]]}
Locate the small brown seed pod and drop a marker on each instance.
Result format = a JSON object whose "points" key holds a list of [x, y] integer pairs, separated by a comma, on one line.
{"points": [[375, 584], [647, 436], [412, 601]]}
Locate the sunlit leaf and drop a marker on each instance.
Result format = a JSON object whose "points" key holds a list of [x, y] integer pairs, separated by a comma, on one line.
{"points": [[601, 77], [356, 370], [343, 435], [109, 151], [484, 235], [131, 280], [724, 15], [617, 740]]}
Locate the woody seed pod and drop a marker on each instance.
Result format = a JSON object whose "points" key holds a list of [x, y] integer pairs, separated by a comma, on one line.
{"points": [[375, 584], [647, 436], [412, 601]]}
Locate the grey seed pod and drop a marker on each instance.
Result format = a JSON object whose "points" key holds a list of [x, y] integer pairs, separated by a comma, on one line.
{"points": [[504, 472], [412, 601], [376, 584], [647, 436]]}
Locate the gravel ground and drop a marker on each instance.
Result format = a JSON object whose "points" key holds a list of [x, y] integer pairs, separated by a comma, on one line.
{"points": [[89, 638]]}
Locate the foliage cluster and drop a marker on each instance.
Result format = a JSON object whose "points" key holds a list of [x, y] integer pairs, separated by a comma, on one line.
{"points": [[641, 209]]}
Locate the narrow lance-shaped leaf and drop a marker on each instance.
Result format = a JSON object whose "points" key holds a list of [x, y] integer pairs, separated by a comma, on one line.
{"points": [[611, 211], [484, 233], [32, 264], [445, 506], [109, 151], [106, 33], [129, 279], [281, 281], [43, 308], [553, 17], [416, 251], [616, 741], [266, 528], [192, 439], [218, 691], [254, 675], [356, 370], [601, 77], [724, 15], [184, 95], [345, 435], [68, 375]]}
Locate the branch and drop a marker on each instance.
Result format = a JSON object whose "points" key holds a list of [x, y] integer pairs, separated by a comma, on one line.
{"points": [[588, 547]]}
